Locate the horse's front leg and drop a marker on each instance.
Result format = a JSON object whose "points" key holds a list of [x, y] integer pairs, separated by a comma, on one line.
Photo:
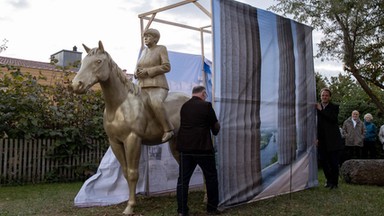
{"points": [[132, 150]]}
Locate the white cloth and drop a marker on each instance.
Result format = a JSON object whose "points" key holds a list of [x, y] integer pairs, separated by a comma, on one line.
{"points": [[108, 186], [381, 135]]}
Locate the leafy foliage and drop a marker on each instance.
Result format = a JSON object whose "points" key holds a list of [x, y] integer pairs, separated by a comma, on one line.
{"points": [[353, 33], [30, 110], [350, 96]]}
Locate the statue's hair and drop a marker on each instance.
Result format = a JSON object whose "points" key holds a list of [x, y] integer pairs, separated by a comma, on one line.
{"points": [[154, 32]]}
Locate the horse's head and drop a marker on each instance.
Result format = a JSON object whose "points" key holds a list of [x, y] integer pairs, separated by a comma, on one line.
{"points": [[94, 68]]}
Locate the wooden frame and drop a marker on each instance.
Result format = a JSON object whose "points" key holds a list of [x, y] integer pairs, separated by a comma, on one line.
{"points": [[150, 16]]}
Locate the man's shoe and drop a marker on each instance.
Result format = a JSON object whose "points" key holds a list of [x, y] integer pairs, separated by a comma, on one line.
{"points": [[167, 136], [333, 187], [327, 185]]}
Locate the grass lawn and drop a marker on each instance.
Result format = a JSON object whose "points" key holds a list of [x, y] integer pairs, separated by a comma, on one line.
{"points": [[57, 199]]}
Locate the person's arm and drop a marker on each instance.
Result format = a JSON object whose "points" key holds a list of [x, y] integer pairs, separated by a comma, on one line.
{"points": [[216, 128], [215, 125], [363, 129], [345, 129], [330, 113], [372, 133], [342, 132], [381, 135]]}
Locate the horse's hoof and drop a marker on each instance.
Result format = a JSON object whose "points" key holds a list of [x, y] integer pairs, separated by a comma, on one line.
{"points": [[128, 211]]}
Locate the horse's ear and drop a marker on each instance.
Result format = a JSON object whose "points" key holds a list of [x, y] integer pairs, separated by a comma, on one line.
{"points": [[101, 47], [86, 48]]}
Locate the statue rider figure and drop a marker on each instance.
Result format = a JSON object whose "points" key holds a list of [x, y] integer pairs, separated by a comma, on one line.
{"points": [[150, 72]]}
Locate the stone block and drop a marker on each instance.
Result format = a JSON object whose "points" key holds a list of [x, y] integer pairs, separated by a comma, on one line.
{"points": [[368, 172]]}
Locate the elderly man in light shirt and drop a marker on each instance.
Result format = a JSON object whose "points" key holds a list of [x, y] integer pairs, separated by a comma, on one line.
{"points": [[353, 131]]}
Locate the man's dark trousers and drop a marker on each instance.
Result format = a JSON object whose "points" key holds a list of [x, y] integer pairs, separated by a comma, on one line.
{"points": [[188, 163]]}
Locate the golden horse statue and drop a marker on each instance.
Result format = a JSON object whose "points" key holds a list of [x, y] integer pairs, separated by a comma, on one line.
{"points": [[128, 120]]}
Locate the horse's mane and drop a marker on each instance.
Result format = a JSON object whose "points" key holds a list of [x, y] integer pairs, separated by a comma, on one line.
{"points": [[129, 85]]}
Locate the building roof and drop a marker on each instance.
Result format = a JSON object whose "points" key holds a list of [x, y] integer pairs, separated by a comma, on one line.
{"points": [[68, 51], [31, 64]]}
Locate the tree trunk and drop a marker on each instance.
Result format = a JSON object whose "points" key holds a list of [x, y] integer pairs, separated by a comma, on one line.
{"points": [[366, 88], [350, 61]]}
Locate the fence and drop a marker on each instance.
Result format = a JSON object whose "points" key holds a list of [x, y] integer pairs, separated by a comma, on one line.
{"points": [[28, 161]]}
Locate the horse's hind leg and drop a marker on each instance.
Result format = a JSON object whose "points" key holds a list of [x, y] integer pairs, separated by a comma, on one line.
{"points": [[132, 150], [172, 146]]}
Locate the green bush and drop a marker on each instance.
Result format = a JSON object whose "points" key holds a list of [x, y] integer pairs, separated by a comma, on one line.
{"points": [[29, 110]]}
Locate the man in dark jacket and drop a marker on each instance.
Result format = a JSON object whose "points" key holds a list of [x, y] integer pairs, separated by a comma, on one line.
{"points": [[194, 142], [329, 138]]}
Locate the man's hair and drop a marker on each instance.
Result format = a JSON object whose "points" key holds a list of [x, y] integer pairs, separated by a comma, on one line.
{"points": [[327, 90], [198, 89]]}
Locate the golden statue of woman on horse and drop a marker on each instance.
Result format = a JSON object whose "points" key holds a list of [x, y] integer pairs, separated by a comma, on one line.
{"points": [[134, 114], [150, 71]]}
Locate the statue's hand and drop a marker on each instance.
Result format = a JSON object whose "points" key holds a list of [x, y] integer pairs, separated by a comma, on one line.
{"points": [[141, 73]]}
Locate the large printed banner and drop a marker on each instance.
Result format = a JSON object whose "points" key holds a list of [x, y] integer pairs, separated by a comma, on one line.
{"points": [[264, 90]]}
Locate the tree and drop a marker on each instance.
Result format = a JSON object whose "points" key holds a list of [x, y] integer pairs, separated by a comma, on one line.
{"points": [[321, 82], [353, 33], [350, 96], [30, 110], [3, 46]]}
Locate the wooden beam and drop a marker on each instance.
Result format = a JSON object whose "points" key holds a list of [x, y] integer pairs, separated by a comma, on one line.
{"points": [[166, 8], [203, 9], [179, 25], [149, 23]]}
